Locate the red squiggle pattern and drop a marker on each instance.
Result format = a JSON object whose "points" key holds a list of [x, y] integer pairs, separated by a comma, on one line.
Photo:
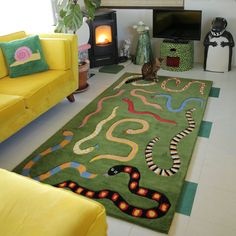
{"points": [[132, 110], [99, 107]]}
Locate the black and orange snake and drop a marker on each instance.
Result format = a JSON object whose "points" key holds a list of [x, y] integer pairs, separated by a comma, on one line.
{"points": [[163, 203]]}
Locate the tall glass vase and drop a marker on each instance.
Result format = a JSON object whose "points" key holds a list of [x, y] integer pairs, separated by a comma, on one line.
{"points": [[144, 50]]}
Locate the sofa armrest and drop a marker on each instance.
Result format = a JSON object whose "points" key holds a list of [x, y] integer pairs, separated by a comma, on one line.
{"points": [[32, 208], [57, 52], [73, 42]]}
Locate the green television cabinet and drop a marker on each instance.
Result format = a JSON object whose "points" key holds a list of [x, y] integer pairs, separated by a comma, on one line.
{"points": [[178, 56]]}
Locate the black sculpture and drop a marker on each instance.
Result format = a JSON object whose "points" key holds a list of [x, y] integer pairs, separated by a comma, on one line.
{"points": [[218, 47]]}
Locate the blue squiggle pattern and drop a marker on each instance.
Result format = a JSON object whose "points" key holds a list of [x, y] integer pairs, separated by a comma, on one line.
{"points": [[182, 106]]}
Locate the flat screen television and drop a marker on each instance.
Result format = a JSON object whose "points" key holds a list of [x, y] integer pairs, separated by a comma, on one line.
{"points": [[179, 25]]}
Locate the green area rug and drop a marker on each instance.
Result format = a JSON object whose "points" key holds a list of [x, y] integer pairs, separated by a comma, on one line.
{"points": [[129, 148]]}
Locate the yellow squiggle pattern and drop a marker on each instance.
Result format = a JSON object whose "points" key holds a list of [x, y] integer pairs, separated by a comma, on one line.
{"points": [[178, 81], [144, 100], [97, 130], [133, 145]]}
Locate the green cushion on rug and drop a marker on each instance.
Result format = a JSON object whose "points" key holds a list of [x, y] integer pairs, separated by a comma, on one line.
{"points": [[24, 56], [111, 69], [129, 149]]}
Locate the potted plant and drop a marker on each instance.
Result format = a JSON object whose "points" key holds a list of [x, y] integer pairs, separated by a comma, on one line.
{"points": [[70, 19], [70, 16]]}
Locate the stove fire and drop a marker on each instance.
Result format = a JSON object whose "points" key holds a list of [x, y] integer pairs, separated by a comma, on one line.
{"points": [[103, 35], [103, 39]]}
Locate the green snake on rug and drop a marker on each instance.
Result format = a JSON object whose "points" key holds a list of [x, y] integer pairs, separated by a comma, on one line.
{"points": [[178, 81], [133, 145], [75, 165], [152, 213], [173, 149]]}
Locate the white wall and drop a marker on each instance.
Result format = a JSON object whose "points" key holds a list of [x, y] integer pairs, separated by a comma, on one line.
{"points": [[35, 15], [126, 18], [31, 16]]}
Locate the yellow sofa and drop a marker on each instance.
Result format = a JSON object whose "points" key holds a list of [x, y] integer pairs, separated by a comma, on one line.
{"points": [[30, 208], [25, 98]]}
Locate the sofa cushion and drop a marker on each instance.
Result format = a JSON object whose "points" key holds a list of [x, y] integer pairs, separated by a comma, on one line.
{"points": [[37, 90], [58, 48], [12, 114], [24, 56], [10, 106], [29, 208], [6, 38]]}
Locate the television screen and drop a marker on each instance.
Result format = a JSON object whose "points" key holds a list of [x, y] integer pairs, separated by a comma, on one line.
{"points": [[177, 24]]}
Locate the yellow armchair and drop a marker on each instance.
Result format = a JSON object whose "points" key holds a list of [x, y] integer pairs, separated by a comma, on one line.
{"points": [[30, 208]]}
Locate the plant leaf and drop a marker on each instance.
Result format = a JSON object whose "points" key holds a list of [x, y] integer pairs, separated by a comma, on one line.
{"points": [[60, 27], [62, 13], [91, 6], [71, 15], [73, 18], [96, 3]]}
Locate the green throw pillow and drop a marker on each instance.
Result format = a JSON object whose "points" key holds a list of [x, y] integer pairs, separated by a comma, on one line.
{"points": [[24, 56]]}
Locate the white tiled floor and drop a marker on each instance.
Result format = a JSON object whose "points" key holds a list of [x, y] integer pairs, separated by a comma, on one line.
{"points": [[212, 166]]}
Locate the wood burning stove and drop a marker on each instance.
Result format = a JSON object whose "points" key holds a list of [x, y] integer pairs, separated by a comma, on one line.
{"points": [[103, 39]]}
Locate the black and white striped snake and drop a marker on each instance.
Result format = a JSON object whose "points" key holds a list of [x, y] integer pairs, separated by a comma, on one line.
{"points": [[173, 149]]}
